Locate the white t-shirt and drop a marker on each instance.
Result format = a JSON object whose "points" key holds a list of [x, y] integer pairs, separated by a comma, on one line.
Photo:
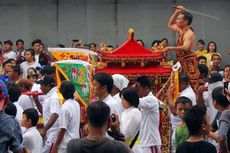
{"points": [[130, 125], [51, 105], [70, 121], [26, 102], [37, 87], [10, 55], [32, 140], [112, 103], [24, 67], [119, 104], [37, 58], [19, 111], [149, 133], [189, 93]]}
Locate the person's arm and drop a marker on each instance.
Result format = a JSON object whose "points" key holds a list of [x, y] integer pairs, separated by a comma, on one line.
{"points": [[200, 98], [171, 103], [50, 123], [172, 21], [38, 104], [223, 145], [60, 136]]}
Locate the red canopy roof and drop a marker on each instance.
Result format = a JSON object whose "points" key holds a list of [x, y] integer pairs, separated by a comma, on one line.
{"points": [[131, 50]]}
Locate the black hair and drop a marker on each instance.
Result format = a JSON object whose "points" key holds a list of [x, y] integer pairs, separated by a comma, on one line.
{"points": [[19, 40], [0, 43], [110, 46], [143, 44], [48, 80], [37, 41], [14, 93], [9, 42], [32, 114], [201, 57], [35, 71], [183, 78], [215, 77], [67, 90], [218, 95], [227, 66], [194, 118], [32, 52], [188, 17], [203, 69], [156, 41], [164, 39], [11, 59], [6, 62], [93, 45], [10, 109], [98, 114], [16, 69], [212, 42], [48, 70], [104, 79], [183, 100], [131, 96], [60, 46], [201, 41], [144, 81]]}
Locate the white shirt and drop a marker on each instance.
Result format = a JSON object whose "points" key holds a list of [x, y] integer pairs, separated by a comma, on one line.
{"points": [[70, 121], [119, 104], [32, 140], [37, 58], [37, 88], [9, 55], [111, 102], [51, 105], [149, 133], [26, 102], [19, 111], [24, 67], [189, 93]]}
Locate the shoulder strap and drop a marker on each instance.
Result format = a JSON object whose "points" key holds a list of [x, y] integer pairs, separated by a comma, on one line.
{"points": [[134, 140]]}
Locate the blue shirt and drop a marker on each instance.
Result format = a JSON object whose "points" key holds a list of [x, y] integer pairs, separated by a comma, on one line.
{"points": [[4, 87], [10, 134]]}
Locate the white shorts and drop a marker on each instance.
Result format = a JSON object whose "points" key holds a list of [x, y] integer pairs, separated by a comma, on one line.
{"points": [[152, 149]]}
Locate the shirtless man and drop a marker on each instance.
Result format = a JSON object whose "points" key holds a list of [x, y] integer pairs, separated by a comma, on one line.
{"points": [[180, 22]]}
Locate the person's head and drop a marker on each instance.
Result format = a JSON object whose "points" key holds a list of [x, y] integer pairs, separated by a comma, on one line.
{"points": [[219, 99], [36, 44], [29, 55], [143, 86], [10, 109], [60, 46], [47, 83], [29, 118], [184, 19], [203, 69], [32, 77], [1, 45], [215, 77], [164, 42], [140, 42], [8, 44], [98, 115], [200, 44], [79, 43], [155, 43], [102, 84], [20, 44], [92, 46], [212, 48], [129, 98], [16, 71], [42, 47], [24, 85], [67, 90], [119, 82], [7, 66], [14, 93], [216, 58], [182, 105], [197, 120], [226, 72], [183, 81], [202, 60], [13, 62], [110, 48], [48, 70]]}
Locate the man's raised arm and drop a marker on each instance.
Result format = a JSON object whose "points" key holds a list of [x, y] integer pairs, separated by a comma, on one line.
{"points": [[172, 21]]}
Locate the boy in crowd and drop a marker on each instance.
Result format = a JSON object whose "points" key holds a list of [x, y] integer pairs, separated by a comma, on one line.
{"points": [[198, 123], [9, 53], [32, 139], [149, 106], [69, 118]]}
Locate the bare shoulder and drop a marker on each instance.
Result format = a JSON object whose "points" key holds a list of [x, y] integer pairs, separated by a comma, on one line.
{"points": [[189, 33]]}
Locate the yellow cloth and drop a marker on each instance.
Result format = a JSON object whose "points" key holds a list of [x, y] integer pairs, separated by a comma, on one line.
{"points": [[129, 141], [201, 53]]}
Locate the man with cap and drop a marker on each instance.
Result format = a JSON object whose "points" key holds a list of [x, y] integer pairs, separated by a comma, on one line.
{"points": [[119, 83], [50, 110], [11, 134]]}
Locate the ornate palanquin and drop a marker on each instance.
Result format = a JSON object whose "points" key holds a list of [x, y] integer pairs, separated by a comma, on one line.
{"points": [[133, 60]]}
